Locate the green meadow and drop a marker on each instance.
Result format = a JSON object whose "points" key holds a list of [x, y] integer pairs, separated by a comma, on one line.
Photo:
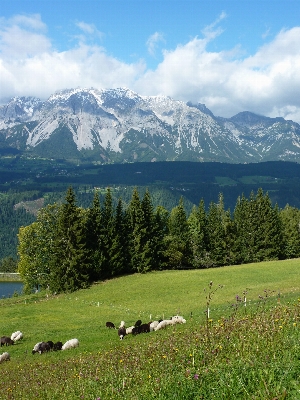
{"points": [[246, 348]]}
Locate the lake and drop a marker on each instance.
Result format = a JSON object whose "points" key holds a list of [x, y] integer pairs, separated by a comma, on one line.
{"points": [[7, 289]]}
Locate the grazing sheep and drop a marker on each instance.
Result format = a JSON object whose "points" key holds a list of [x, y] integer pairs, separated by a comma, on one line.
{"points": [[164, 323], [138, 323], [179, 319], [16, 336], [6, 340], [110, 325], [70, 344], [144, 328], [122, 330], [4, 357], [44, 347], [57, 346], [129, 329], [36, 347], [41, 347], [153, 325], [51, 344]]}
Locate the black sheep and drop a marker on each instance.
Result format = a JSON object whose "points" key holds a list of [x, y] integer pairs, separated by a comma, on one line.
{"points": [[6, 340], [43, 347], [138, 323], [51, 344], [110, 325], [57, 346]]}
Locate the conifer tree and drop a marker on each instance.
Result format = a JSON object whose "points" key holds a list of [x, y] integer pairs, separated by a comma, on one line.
{"points": [[178, 251], [70, 265], [219, 233], [94, 237], [107, 234], [197, 222], [119, 254], [290, 221]]}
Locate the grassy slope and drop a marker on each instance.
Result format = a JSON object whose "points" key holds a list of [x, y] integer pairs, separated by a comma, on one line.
{"points": [[226, 359], [159, 294]]}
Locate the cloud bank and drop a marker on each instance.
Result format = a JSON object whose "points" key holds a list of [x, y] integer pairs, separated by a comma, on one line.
{"points": [[267, 82]]}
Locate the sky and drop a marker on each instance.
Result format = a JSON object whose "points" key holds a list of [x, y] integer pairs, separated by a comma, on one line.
{"points": [[231, 55]]}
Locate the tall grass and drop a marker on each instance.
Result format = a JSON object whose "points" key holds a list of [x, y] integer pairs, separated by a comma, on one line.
{"points": [[240, 352]]}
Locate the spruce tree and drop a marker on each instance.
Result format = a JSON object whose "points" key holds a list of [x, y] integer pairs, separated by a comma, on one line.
{"points": [[290, 222], [94, 237], [197, 222], [119, 252], [70, 266], [178, 251]]}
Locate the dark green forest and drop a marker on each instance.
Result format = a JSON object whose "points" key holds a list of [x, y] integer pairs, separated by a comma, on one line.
{"points": [[69, 247]]}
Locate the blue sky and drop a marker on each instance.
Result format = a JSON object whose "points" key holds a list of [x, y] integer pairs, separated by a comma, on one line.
{"points": [[232, 55]]}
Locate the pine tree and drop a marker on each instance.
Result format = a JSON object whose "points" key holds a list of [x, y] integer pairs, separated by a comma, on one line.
{"points": [[119, 254], [70, 266], [94, 237], [178, 251], [290, 221], [220, 234], [107, 235], [197, 222]]}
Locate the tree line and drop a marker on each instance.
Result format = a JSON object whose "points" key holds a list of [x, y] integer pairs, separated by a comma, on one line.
{"points": [[69, 247]]}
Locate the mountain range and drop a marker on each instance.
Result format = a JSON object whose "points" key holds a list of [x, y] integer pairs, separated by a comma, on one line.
{"points": [[119, 126]]}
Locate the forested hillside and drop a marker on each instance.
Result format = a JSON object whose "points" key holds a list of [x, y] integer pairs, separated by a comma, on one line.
{"points": [[69, 247], [27, 184]]}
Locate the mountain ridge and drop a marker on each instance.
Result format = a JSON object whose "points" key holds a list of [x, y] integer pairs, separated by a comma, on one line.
{"points": [[119, 125]]}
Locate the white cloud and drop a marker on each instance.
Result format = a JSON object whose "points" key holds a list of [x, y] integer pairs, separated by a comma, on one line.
{"points": [[267, 82], [153, 41]]}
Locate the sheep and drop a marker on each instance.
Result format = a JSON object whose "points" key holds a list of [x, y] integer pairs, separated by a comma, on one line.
{"points": [[16, 336], [122, 330], [110, 325], [70, 344], [138, 323], [5, 340], [144, 328], [41, 347], [179, 319], [36, 347], [153, 325], [57, 346], [4, 357], [129, 329], [44, 347], [51, 344], [164, 323]]}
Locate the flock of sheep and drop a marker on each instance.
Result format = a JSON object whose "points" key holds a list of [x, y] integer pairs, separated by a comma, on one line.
{"points": [[138, 327], [40, 347]]}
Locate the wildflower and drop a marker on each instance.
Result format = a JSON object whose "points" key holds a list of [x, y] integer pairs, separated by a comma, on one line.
{"points": [[196, 376]]}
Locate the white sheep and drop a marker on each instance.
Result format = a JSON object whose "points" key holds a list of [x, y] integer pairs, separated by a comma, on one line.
{"points": [[129, 329], [70, 344], [164, 323], [122, 330], [16, 336], [179, 319], [153, 325], [4, 357], [36, 348]]}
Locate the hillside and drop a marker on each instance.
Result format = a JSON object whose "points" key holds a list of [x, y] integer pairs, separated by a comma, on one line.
{"points": [[29, 183], [230, 344]]}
